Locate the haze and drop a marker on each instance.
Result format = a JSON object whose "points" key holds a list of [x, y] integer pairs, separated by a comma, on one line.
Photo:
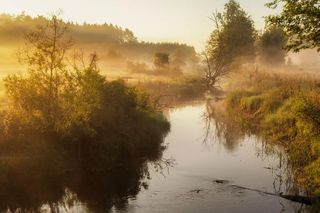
{"points": [[156, 21], [150, 106]]}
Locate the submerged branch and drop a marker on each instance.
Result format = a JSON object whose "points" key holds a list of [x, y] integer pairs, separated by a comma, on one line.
{"points": [[295, 198]]}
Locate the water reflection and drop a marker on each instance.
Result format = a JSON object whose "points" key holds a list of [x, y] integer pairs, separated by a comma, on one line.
{"points": [[41, 188], [219, 126]]}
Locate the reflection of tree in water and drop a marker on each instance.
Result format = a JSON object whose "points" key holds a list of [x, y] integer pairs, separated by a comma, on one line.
{"points": [[284, 182], [282, 171], [34, 185], [218, 127]]}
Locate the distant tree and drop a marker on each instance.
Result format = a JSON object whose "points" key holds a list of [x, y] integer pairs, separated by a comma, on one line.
{"points": [[161, 60], [271, 46], [233, 38], [128, 36], [300, 20]]}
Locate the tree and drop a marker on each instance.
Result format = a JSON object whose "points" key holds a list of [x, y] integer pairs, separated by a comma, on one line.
{"points": [[300, 20], [161, 60], [128, 36], [53, 96], [233, 38], [271, 46], [44, 56]]}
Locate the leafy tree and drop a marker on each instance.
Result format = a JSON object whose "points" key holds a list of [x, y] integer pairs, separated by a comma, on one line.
{"points": [[300, 20], [53, 96], [271, 46], [161, 60], [232, 38], [44, 56], [128, 37]]}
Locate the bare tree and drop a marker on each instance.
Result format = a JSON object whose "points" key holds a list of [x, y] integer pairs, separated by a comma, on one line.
{"points": [[214, 72]]}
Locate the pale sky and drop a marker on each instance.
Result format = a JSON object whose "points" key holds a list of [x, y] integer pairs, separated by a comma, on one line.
{"points": [[184, 21]]}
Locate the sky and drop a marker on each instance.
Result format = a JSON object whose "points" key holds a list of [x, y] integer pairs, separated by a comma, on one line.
{"points": [[184, 21]]}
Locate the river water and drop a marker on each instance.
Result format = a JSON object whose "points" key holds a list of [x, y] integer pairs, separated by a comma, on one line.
{"points": [[216, 175]]}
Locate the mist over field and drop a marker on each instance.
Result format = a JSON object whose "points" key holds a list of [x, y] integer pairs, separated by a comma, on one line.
{"points": [[117, 48]]}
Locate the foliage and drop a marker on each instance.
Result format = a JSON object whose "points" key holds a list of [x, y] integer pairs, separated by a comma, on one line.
{"points": [[164, 66], [39, 92], [301, 22], [161, 60], [232, 39], [51, 96], [271, 47]]}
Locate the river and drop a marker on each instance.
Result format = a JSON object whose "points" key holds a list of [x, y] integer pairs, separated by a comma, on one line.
{"points": [[208, 176]]}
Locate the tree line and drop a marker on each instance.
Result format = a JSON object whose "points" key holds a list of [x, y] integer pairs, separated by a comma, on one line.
{"points": [[111, 41]]}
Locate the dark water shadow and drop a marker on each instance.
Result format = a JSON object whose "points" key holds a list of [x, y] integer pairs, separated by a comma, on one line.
{"points": [[43, 180]]}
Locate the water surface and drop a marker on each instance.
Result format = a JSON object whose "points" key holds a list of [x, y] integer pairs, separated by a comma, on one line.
{"points": [[191, 184]]}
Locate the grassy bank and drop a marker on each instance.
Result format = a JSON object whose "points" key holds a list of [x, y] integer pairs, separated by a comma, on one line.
{"points": [[283, 108], [167, 93]]}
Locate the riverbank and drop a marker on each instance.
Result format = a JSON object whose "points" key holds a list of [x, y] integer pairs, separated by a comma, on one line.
{"points": [[283, 109], [168, 93]]}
